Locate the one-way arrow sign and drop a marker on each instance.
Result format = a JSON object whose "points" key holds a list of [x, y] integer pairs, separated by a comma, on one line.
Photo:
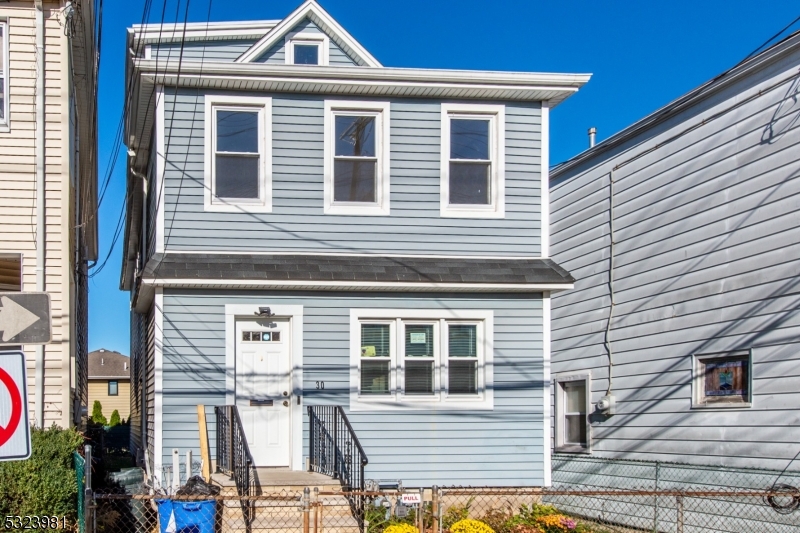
{"points": [[24, 318]]}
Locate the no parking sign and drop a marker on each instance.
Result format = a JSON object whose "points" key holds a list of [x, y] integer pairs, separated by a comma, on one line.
{"points": [[15, 434]]}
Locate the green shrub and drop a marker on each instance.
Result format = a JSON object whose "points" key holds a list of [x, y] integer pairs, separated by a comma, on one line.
{"points": [[44, 484], [115, 421], [97, 414]]}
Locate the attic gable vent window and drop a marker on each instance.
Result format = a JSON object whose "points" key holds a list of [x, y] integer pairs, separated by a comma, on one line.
{"points": [[356, 158], [238, 154], [472, 159], [307, 49]]}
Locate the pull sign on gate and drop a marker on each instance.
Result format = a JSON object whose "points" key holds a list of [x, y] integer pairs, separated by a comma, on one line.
{"points": [[15, 435]]}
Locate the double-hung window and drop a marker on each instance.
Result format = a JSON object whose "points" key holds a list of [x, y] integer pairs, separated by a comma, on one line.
{"points": [[113, 388], [307, 49], [472, 161], [4, 122], [572, 405], [356, 158], [238, 152], [421, 359]]}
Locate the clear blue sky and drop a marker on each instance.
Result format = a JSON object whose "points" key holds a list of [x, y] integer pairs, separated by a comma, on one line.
{"points": [[642, 55]]}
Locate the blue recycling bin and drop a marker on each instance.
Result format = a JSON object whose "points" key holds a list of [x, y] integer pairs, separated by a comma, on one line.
{"points": [[190, 517], [164, 514]]}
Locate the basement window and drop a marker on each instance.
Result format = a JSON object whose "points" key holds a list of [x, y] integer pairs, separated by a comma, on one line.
{"points": [[722, 380], [572, 395]]}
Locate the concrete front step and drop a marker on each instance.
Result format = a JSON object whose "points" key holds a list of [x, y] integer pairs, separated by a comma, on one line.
{"points": [[281, 511]]}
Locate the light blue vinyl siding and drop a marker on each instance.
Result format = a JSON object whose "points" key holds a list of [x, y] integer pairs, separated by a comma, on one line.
{"points": [[298, 223], [277, 53], [503, 447], [706, 261], [224, 51]]}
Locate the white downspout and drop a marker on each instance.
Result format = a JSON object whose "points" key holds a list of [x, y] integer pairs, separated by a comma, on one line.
{"points": [[41, 235]]}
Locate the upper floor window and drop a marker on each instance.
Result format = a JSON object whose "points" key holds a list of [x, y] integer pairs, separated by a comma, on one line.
{"points": [[113, 388], [4, 74], [472, 180], [356, 158], [422, 358], [238, 154], [307, 49]]}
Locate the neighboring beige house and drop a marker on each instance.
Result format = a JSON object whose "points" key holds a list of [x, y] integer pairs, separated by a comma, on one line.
{"points": [[48, 186], [110, 382]]}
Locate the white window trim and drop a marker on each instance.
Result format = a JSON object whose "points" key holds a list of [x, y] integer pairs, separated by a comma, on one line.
{"points": [[698, 376], [5, 123], [497, 129], [295, 315], [558, 424], [264, 106], [320, 39], [441, 401], [382, 141]]}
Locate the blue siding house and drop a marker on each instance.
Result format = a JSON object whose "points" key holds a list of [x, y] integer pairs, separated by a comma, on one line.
{"points": [[307, 227], [682, 233]]}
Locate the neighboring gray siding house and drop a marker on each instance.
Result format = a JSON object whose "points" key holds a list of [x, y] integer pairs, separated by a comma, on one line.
{"points": [[307, 227], [695, 208]]}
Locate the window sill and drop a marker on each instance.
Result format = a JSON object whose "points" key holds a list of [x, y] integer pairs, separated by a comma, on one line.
{"points": [[573, 449], [5, 128], [471, 212], [237, 208], [421, 403], [357, 210], [723, 406]]}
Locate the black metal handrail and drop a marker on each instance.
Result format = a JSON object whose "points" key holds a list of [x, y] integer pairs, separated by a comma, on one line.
{"points": [[234, 457], [334, 450]]}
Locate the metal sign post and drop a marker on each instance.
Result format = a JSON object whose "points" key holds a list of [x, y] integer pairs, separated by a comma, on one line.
{"points": [[15, 433], [24, 318]]}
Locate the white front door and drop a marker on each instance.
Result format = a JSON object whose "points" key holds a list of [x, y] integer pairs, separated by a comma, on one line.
{"points": [[264, 388]]}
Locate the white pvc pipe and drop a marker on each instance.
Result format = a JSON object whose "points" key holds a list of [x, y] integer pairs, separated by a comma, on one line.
{"points": [[41, 230]]}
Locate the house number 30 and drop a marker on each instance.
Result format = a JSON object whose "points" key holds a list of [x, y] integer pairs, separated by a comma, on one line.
{"points": [[320, 385]]}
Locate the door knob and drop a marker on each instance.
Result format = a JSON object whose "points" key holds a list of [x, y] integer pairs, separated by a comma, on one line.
{"points": [[286, 403]]}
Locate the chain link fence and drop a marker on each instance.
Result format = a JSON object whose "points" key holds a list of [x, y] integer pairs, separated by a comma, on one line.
{"points": [[682, 497], [453, 510]]}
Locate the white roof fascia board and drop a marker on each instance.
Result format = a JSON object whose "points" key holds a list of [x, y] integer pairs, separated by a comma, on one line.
{"points": [[318, 15], [325, 75], [355, 285], [149, 33]]}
